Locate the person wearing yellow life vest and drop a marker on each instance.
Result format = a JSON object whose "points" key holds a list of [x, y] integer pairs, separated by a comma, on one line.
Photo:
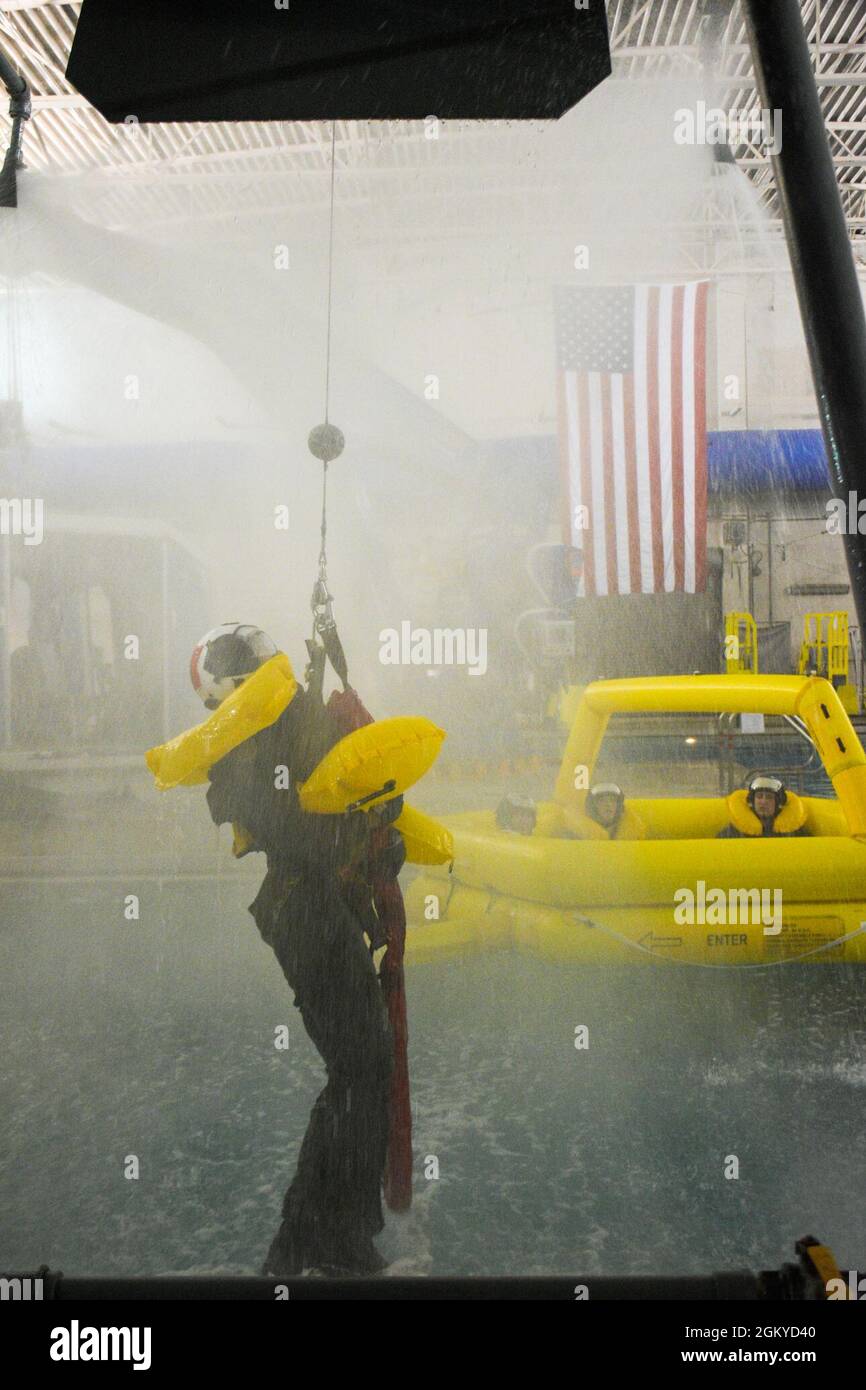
{"points": [[313, 908], [765, 808], [517, 813], [605, 816]]}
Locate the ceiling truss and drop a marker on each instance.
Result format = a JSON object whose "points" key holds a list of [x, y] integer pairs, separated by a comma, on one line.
{"points": [[161, 176]]}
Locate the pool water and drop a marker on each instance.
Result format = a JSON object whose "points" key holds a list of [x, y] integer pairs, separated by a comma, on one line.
{"points": [[155, 1038]]}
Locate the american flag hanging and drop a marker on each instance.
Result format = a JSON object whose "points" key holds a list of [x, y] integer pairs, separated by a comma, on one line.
{"points": [[632, 429]]}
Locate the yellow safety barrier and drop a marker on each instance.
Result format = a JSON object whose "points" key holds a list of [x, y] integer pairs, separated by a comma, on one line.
{"points": [[825, 651]]}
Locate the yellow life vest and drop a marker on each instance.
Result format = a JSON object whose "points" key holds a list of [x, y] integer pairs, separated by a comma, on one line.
{"points": [[186, 760], [389, 750], [628, 827], [397, 751], [791, 818], [427, 841], [549, 820]]}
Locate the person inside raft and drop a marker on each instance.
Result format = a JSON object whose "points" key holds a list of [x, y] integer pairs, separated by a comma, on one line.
{"points": [[517, 813], [608, 815], [766, 808]]}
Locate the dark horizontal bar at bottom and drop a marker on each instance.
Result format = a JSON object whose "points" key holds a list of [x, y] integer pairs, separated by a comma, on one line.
{"points": [[735, 1285]]}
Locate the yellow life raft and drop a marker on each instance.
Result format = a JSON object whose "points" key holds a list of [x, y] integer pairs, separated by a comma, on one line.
{"points": [[678, 896]]}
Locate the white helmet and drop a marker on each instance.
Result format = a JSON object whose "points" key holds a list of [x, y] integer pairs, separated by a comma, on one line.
{"points": [[224, 657]]}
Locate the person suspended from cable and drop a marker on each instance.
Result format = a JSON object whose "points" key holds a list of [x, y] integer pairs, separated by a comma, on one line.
{"points": [[318, 789], [314, 909]]}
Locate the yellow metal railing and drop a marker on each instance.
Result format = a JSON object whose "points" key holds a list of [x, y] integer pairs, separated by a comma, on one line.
{"points": [[824, 651]]}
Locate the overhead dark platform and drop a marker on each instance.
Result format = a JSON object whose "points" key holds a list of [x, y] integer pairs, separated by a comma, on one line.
{"points": [[247, 60]]}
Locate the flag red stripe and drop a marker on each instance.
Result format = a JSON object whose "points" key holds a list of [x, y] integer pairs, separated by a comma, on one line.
{"points": [[652, 371], [566, 501], [610, 516], [631, 484]]}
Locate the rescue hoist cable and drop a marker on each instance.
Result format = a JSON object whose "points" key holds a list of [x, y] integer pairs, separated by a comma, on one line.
{"points": [[326, 443], [348, 715], [330, 273]]}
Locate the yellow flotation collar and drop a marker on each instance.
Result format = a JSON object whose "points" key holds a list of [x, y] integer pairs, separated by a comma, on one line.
{"points": [[427, 841], [792, 816], [186, 760], [391, 750], [550, 820], [628, 827], [397, 751]]}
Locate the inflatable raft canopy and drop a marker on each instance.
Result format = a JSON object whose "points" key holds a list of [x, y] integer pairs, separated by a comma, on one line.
{"points": [[679, 895]]}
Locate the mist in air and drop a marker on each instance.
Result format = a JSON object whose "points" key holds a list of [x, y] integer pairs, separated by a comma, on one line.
{"points": [[169, 358]]}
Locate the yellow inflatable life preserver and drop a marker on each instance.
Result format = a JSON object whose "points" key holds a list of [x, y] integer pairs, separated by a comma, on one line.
{"points": [[397, 751], [791, 818], [427, 841], [185, 760], [549, 820], [583, 827]]}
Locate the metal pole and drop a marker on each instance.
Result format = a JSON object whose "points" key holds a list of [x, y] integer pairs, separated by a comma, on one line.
{"points": [[20, 107], [830, 303], [770, 570], [11, 79]]}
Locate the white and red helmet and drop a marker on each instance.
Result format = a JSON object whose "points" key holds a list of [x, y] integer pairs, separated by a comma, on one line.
{"points": [[224, 657]]}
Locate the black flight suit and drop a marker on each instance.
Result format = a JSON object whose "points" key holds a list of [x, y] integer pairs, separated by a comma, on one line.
{"points": [[315, 926]]}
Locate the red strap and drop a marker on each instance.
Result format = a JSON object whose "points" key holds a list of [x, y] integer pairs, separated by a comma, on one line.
{"points": [[349, 713]]}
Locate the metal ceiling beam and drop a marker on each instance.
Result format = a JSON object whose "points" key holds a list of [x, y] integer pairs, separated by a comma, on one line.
{"points": [[648, 37]]}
